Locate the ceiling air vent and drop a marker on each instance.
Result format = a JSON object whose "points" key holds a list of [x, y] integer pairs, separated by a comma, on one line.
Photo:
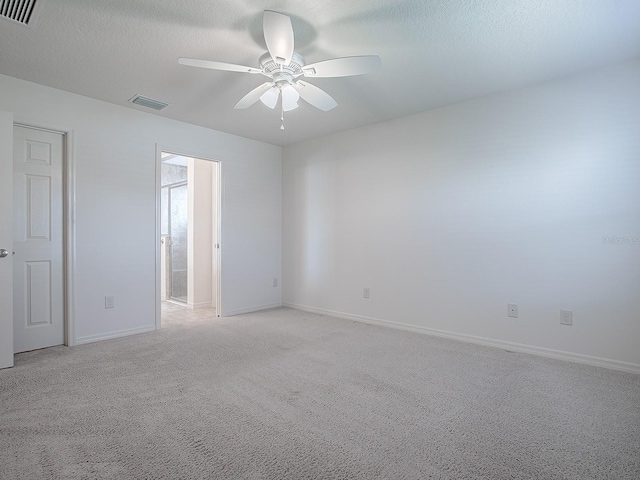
{"points": [[148, 102], [20, 11]]}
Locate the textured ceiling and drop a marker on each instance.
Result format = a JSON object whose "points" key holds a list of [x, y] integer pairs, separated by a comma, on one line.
{"points": [[434, 53]]}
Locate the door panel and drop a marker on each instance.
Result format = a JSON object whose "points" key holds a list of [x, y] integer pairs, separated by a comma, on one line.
{"points": [[38, 274], [38, 208], [38, 293]]}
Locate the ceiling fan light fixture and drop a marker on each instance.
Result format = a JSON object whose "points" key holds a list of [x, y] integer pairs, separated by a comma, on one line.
{"points": [[290, 97], [270, 97], [284, 67]]}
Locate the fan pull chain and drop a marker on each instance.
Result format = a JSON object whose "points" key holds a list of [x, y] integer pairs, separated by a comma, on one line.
{"points": [[282, 116]]}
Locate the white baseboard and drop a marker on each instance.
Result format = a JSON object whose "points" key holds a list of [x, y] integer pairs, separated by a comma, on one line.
{"points": [[199, 306], [256, 308], [117, 334], [511, 346]]}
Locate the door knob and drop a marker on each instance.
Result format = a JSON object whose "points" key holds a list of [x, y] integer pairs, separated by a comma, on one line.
{"points": [[3, 253]]}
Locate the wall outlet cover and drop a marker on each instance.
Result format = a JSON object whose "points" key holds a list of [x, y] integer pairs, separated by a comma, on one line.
{"points": [[512, 310], [566, 317], [109, 302], [366, 292]]}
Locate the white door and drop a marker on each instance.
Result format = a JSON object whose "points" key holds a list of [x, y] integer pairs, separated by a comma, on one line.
{"points": [[38, 276], [6, 240]]}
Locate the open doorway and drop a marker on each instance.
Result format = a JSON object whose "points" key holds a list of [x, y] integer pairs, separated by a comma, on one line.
{"points": [[189, 239]]}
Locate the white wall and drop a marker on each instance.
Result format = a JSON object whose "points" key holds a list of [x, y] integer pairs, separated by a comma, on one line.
{"points": [[199, 252], [115, 172], [451, 214]]}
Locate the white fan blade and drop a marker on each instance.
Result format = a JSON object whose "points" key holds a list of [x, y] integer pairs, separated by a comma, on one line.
{"points": [[278, 34], [316, 96], [290, 97], [229, 67], [252, 97], [344, 66], [270, 97]]}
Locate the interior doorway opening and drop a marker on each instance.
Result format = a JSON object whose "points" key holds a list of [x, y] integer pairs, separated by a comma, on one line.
{"points": [[189, 238]]}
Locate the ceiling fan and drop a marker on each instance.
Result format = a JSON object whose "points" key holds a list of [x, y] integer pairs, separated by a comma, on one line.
{"points": [[285, 67]]}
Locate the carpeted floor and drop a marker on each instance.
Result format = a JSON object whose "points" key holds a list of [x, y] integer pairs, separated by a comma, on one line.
{"points": [[285, 394]]}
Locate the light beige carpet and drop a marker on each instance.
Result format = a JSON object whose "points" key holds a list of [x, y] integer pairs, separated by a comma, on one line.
{"points": [[285, 394]]}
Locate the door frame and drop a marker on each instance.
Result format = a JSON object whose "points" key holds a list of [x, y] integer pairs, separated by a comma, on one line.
{"points": [[217, 164], [68, 219]]}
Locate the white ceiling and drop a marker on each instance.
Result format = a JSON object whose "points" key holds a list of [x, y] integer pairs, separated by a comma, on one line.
{"points": [[434, 53]]}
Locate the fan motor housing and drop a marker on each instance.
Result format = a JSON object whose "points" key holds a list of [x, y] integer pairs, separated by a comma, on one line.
{"points": [[272, 68]]}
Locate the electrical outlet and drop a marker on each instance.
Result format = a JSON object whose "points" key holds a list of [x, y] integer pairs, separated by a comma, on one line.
{"points": [[512, 310], [109, 302], [566, 317], [366, 292], [275, 282]]}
